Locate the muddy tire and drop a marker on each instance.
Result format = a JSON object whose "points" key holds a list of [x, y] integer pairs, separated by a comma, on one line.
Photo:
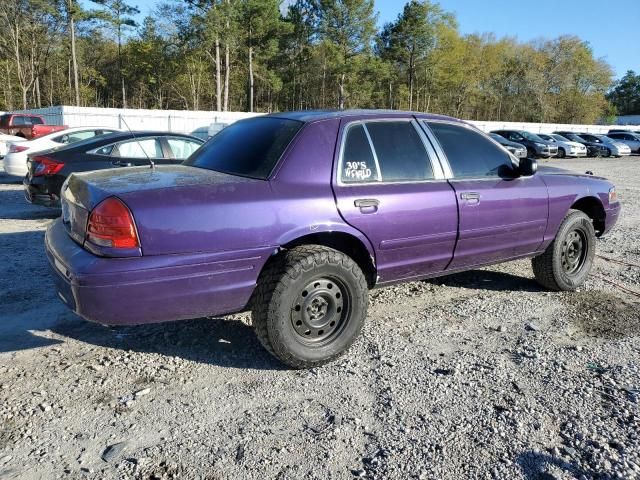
{"points": [[310, 305], [567, 261]]}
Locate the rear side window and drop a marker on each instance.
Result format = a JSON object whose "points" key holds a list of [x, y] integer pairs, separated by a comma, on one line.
{"points": [[470, 154], [248, 148], [182, 148], [19, 120], [401, 154]]}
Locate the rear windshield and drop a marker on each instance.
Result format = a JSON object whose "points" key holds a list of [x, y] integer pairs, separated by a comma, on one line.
{"points": [[248, 148]]}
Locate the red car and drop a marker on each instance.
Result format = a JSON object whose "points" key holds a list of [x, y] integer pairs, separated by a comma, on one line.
{"points": [[25, 125]]}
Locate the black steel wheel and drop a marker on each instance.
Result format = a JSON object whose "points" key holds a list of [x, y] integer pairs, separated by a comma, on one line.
{"points": [[567, 261], [573, 251], [310, 305], [321, 310]]}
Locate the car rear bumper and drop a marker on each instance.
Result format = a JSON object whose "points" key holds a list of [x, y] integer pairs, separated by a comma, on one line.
{"points": [[130, 291], [38, 192]]}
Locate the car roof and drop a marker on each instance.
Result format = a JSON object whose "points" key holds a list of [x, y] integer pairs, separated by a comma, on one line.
{"points": [[317, 115], [127, 134], [73, 130]]}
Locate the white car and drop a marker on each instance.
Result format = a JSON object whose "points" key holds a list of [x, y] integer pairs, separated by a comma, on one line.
{"points": [[15, 162], [566, 148], [4, 142]]}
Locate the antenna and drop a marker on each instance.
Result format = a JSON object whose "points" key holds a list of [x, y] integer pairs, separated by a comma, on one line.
{"points": [[153, 165]]}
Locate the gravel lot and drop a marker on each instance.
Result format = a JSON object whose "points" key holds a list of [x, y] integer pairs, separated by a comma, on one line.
{"points": [[478, 375]]}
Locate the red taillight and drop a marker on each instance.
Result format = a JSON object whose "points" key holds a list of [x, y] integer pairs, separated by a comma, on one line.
{"points": [[111, 225], [17, 148], [45, 166]]}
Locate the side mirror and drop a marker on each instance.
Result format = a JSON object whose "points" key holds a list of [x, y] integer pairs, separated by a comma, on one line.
{"points": [[528, 167]]}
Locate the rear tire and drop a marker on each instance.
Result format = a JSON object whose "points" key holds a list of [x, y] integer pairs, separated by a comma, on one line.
{"points": [[567, 261], [310, 305]]}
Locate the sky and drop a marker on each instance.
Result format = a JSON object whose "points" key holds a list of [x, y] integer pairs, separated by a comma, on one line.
{"points": [[612, 28]]}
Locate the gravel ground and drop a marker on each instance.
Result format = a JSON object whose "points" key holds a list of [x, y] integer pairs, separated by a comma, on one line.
{"points": [[477, 375]]}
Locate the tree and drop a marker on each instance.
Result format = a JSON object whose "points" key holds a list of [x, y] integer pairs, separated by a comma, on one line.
{"points": [[347, 27], [117, 15], [625, 94], [73, 12], [413, 36]]}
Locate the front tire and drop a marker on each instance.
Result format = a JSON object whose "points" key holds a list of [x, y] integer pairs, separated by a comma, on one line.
{"points": [[561, 152], [310, 305], [567, 261]]}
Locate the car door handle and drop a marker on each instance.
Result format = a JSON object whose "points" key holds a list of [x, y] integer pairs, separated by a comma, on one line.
{"points": [[118, 163], [470, 196], [367, 205]]}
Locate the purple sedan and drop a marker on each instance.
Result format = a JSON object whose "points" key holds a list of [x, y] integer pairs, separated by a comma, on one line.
{"points": [[295, 216]]}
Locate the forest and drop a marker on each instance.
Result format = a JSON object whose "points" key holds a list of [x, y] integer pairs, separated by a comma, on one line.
{"points": [[263, 56]]}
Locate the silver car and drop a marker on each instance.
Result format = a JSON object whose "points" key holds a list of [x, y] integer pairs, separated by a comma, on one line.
{"points": [[614, 147], [628, 138]]}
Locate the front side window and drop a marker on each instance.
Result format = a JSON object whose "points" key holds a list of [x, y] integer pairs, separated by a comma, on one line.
{"points": [[182, 148], [470, 154], [248, 148], [35, 121], [142, 148]]}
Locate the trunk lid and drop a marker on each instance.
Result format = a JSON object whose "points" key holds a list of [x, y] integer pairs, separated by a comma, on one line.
{"points": [[175, 207]]}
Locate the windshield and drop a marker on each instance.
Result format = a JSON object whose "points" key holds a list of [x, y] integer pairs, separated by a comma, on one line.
{"points": [[590, 138], [247, 148], [548, 138], [559, 138], [531, 136]]}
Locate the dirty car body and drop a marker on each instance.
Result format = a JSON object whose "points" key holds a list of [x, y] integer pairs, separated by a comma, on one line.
{"points": [[402, 196]]}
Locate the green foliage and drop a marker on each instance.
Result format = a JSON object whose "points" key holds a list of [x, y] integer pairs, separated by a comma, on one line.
{"points": [[625, 95], [317, 54]]}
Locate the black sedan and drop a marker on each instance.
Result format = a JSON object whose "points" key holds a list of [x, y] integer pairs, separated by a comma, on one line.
{"points": [[47, 170]]}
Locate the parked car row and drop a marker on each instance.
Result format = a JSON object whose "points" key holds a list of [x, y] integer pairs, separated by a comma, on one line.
{"points": [[570, 144], [46, 161], [47, 170]]}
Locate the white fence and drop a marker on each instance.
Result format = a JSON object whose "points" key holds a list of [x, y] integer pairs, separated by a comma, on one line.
{"points": [[204, 123]]}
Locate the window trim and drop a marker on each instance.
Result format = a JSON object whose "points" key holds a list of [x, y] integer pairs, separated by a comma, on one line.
{"points": [[438, 174], [443, 156]]}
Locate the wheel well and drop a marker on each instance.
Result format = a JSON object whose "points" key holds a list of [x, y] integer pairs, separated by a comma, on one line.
{"points": [[593, 208], [345, 243]]}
